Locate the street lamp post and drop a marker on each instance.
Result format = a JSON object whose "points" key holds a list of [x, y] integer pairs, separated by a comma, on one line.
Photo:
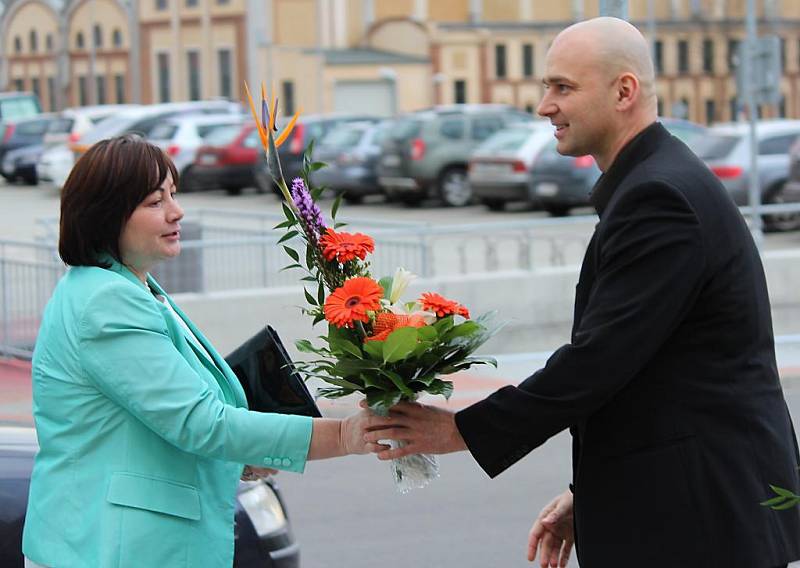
{"points": [[749, 98]]}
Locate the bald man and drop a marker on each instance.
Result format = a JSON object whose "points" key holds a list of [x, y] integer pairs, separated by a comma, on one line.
{"points": [[669, 384]]}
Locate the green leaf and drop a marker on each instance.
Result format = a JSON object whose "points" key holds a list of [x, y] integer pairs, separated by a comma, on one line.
{"points": [[343, 383], [288, 236], [334, 393], [309, 298], [316, 193], [375, 381], [336, 203], [349, 347], [353, 367], [783, 492], [295, 265], [773, 501], [439, 386], [380, 402], [337, 225], [374, 349], [284, 225], [289, 213], [386, 284], [461, 330], [428, 333], [400, 344], [398, 382], [318, 318], [321, 294], [444, 325], [788, 505], [313, 167], [292, 253], [309, 279], [305, 346], [309, 257]]}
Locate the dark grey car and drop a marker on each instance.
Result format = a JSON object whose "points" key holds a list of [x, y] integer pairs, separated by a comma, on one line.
{"points": [[425, 154], [351, 153], [24, 132]]}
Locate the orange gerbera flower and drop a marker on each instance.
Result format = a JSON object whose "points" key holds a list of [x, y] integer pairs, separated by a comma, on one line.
{"points": [[387, 322], [441, 306], [351, 301], [344, 247]]}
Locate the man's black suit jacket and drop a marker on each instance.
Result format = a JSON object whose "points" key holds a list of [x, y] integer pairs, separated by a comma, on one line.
{"points": [[669, 384]]}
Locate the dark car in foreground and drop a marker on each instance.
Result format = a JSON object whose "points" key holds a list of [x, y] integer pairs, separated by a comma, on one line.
{"points": [[24, 132], [560, 183], [229, 159], [21, 163], [351, 152], [263, 536]]}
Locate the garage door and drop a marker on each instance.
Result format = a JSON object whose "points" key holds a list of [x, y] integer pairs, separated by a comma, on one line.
{"points": [[364, 97]]}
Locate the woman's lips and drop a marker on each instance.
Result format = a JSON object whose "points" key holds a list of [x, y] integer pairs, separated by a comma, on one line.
{"points": [[174, 235]]}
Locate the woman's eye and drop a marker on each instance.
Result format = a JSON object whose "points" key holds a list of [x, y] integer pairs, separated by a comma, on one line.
{"points": [[155, 203]]}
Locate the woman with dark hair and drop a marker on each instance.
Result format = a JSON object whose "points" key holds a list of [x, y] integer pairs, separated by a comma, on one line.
{"points": [[143, 428]]}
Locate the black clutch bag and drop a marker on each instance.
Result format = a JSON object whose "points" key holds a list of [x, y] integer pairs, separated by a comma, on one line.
{"points": [[270, 383]]}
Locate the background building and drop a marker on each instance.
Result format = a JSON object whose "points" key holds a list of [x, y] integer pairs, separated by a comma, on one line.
{"points": [[379, 56]]}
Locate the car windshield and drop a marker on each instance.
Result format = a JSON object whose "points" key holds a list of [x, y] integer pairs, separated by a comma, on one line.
{"points": [[33, 127], [163, 131], [506, 140], [714, 146], [18, 107], [223, 135], [343, 137]]}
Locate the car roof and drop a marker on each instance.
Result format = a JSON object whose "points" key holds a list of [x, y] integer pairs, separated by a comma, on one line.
{"points": [[97, 110], [205, 118], [763, 127], [16, 94]]}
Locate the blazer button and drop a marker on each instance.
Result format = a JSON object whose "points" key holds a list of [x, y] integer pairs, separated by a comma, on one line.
{"points": [[267, 461], [286, 462]]}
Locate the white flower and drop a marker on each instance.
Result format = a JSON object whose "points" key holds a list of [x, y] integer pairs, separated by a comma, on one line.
{"points": [[402, 278], [413, 309]]}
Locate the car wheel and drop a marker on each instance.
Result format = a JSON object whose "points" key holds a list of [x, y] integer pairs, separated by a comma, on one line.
{"points": [[454, 188], [30, 180], [233, 190], [188, 184], [779, 221], [353, 199], [495, 204], [557, 210], [412, 200]]}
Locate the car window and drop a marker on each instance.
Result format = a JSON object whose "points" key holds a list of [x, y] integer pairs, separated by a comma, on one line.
{"points": [[485, 126], [715, 146], [32, 127], [60, 126], [145, 127], [204, 129], [163, 131], [343, 137], [98, 119], [404, 129], [224, 135], [776, 145], [452, 128], [252, 140], [507, 140], [20, 107]]}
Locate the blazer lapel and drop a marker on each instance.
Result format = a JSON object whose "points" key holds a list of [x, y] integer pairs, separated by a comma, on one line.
{"points": [[226, 378]]}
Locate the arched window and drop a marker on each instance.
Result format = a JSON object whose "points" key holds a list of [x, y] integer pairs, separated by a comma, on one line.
{"points": [[48, 42], [116, 38], [98, 36], [34, 41], [17, 44], [79, 40]]}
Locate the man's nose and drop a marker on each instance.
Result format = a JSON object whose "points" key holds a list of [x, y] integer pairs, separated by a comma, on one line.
{"points": [[545, 107]]}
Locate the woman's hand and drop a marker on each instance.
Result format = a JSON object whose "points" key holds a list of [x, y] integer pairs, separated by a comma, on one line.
{"points": [[253, 473], [354, 428]]}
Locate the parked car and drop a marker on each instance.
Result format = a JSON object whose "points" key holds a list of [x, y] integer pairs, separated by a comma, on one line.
{"points": [[426, 152], [55, 163], [726, 150], [24, 132], [500, 168], [790, 193], [308, 128], [180, 137], [560, 183], [263, 535], [16, 106], [351, 152], [230, 159], [72, 123], [20, 163]]}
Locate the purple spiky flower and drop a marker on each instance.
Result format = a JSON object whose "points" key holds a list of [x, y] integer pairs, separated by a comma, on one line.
{"points": [[309, 212]]}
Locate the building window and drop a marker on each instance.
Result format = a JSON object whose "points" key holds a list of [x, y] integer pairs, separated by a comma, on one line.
{"points": [[500, 60], [782, 107], [163, 77], [683, 56], [161, 5], [527, 60], [100, 94], [119, 88], [783, 55], [51, 93], [191, 3], [48, 42], [98, 36], [708, 56], [733, 105], [225, 79], [19, 84], [116, 38], [221, 2], [34, 41], [460, 91], [193, 67], [79, 40], [658, 56], [36, 87], [711, 111], [659, 106], [288, 98], [733, 54], [82, 101], [17, 44], [685, 108]]}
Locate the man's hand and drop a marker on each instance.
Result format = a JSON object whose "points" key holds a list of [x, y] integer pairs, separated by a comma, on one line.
{"points": [[552, 533], [424, 429]]}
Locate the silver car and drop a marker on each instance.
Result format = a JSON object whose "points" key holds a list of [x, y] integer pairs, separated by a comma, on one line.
{"points": [[726, 150]]}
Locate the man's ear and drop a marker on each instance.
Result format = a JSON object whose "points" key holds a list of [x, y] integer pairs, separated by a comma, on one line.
{"points": [[627, 91]]}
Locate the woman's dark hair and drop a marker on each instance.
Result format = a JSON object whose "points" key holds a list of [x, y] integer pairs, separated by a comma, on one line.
{"points": [[101, 193]]}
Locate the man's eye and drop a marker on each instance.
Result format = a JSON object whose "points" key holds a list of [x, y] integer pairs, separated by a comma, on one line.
{"points": [[563, 88]]}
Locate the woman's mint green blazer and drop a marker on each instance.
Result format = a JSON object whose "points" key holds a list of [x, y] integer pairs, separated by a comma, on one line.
{"points": [[142, 438]]}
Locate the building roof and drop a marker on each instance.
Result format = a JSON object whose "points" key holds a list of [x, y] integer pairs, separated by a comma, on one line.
{"points": [[358, 56]]}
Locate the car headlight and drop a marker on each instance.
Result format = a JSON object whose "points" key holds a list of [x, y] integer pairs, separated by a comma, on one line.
{"points": [[264, 509]]}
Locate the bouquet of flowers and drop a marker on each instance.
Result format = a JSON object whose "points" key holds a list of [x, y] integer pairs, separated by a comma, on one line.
{"points": [[376, 344]]}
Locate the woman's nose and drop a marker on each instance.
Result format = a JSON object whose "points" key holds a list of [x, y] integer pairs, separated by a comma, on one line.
{"points": [[175, 211]]}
